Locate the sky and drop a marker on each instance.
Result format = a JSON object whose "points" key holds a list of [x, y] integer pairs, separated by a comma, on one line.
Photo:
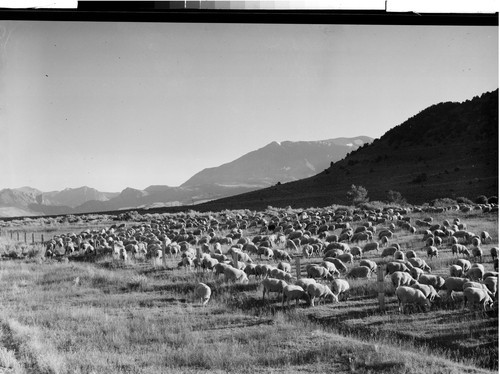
{"points": [[116, 105]]}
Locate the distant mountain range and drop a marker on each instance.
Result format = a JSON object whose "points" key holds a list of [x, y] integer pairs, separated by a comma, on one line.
{"points": [[448, 150], [275, 163]]}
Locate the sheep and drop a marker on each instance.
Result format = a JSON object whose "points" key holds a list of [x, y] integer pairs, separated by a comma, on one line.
{"points": [[476, 296], [408, 295], [419, 263], [389, 251], [282, 255], [370, 264], [320, 291], [432, 280], [391, 267], [219, 268], [250, 270], [307, 250], [235, 275], [454, 284], [416, 273], [359, 272], [341, 267], [456, 271], [272, 285], [294, 292], [244, 257], [428, 291], [346, 258], [477, 252], [266, 252], [285, 266], [432, 251], [400, 278], [202, 292], [465, 264], [492, 284], [304, 282], [399, 255], [475, 273], [280, 274], [340, 286], [458, 249], [478, 285], [316, 271], [357, 251], [371, 247], [330, 266], [494, 253]]}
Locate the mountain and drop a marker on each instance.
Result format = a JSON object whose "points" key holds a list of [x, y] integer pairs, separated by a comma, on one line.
{"points": [[447, 150], [74, 197], [277, 162]]}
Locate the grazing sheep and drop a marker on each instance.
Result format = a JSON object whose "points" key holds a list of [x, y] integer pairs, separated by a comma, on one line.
{"points": [[340, 287], [456, 271], [346, 258], [304, 282], [477, 252], [371, 247], [219, 268], [307, 250], [282, 255], [458, 249], [432, 251], [420, 263], [454, 284], [330, 266], [316, 271], [235, 275], [492, 284], [320, 291], [400, 278], [408, 295], [476, 296], [416, 273], [285, 266], [202, 292], [341, 267], [428, 291], [481, 286], [356, 251], [432, 280], [250, 269], [465, 264], [359, 272], [372, 265], [294, 292], [475, 273], [399, 255], [266, 252], [494, 253], [389, 251], [272, 285], [391, 267]]}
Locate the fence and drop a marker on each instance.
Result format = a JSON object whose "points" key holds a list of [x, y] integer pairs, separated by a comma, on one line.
{"points": [[24, 236]]}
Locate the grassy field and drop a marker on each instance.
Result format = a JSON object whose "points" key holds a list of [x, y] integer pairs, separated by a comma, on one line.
{"points": [[107, 316]]}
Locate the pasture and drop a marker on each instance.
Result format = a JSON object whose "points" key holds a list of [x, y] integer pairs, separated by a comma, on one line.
{"points": [[93, 313]]}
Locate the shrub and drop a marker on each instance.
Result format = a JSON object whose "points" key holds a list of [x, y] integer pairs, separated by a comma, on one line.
{"points": [[463, 200], [395, 197], [357, 195], [493, 200], [444, 201]]}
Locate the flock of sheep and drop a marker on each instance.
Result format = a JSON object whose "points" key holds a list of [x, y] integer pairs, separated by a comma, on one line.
{"points": [[334, 245]]}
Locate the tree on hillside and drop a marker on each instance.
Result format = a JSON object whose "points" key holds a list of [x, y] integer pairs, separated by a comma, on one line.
{"points": [[357, 195], [395, 197]]}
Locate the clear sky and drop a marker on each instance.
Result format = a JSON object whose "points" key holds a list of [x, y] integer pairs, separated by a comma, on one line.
{"points": [[116, 105]]}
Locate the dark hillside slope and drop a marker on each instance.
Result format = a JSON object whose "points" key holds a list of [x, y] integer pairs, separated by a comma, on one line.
{"points": [[447, 150]]}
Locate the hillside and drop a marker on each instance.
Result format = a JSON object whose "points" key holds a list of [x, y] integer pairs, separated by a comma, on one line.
{"points": [[447, 150]]}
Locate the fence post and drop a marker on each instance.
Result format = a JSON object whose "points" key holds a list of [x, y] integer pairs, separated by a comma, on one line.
{"points": [[381, 291], [32, 238], [17, 232], [198, 257], [43, 241], [297, 266], [164, 253], [235, 260], [11, 234], [25, 237]]}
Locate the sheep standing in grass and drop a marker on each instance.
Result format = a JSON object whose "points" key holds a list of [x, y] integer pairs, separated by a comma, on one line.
{"points": [[370, 264], [432, 251], [408, 295], [359, 272], [494, 253], [357, 251], [340, 287], [272, 285], [235, 275], [475, 273], [454, 284], [432, 280], [464, 264], [476, 296], [400, 278], [477, 252], [371, 247], [416, 273], [391, 267], [321, 292], [316, 271], [456, 271], [294, 292], [202, 292], [481, 286], [492, 284], [428, 291], [420, 263]]}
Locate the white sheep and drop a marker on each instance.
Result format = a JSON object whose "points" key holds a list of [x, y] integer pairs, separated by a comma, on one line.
{"points": [[359, 272], [393, 266], [479, 297], [432, 280], [400, 278], [320, 291], [492, 284], [341, 267], [235, 275], [454, 284], [416, 273], [456, 271], [304, 282], [370, 264], [340, 286], [408, 295], [294, 292], [419, 263], [428, 291], [272, 285], [202, 292], [316, 271]]}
